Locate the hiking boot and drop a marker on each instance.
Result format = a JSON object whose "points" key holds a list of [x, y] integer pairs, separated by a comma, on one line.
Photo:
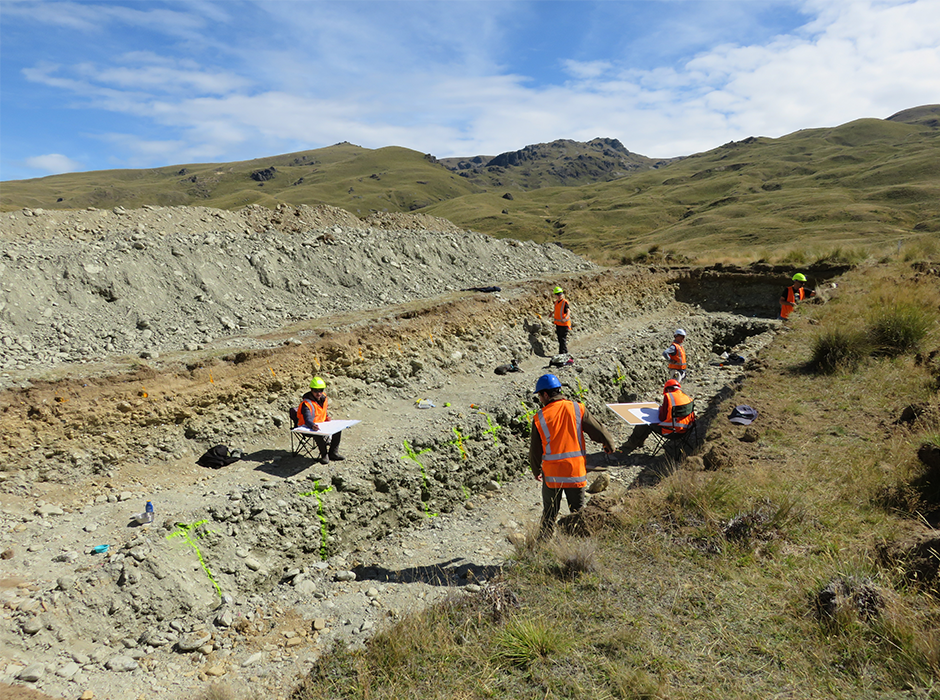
{"points": [[324, 459], [336, 457]]}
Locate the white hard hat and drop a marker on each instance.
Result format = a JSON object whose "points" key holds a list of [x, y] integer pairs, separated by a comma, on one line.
{"points": [[681, 332]]}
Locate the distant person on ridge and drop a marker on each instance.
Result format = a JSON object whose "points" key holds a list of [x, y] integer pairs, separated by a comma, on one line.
{"points": [[313, 410], [556, 449], [793, 295], [675, 356], [562, 319]]}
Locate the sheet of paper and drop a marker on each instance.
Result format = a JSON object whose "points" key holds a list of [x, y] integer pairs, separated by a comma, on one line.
{"points": [[328, 427]]}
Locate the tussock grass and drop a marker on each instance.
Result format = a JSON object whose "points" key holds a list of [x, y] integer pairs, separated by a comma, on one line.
{"points": [[900, 327], [839, 350], [575, 556], [523, 641]]}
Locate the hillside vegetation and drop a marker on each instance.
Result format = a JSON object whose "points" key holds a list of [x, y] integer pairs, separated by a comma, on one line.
{"points": [[836, 191]]}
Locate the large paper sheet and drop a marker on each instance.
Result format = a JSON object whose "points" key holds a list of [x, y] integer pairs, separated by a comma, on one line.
{"points": [[328, 427], [636, 413]]}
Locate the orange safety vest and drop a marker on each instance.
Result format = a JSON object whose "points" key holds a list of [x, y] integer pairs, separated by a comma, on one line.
{"points": [[563, 462], [792, 297], [319, 412], [562, 313], [671, 399], [677, 359]]}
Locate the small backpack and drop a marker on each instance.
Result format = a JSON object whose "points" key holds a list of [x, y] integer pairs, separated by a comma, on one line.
{"points": [[218, 457]]}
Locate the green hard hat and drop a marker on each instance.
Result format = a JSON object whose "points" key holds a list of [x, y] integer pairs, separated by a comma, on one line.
{"points": [[799, 277], [317, 383], [557, 290]]}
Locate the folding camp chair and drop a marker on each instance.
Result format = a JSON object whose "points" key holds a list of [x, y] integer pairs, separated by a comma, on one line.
{"points": [[683, 437], [300, 444]]}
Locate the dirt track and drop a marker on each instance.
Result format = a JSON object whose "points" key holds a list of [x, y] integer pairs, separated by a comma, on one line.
{"points": [[426, 497]]}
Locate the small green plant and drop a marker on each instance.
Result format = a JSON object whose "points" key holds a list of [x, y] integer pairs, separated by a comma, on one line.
{"points": [[523, 641], [899, 328], [527, 415], [838, 350], [581, 391], [458, 442], [413, 456], [620, 376], [493, 427]]}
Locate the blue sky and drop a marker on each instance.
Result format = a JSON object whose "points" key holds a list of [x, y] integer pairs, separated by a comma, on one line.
{"points": [[134, 84]]}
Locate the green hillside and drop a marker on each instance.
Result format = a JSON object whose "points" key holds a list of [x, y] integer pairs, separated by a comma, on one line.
{"points": [[357, 179], [865, 184]]}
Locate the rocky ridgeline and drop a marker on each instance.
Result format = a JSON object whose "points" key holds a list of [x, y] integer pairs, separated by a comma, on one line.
{"points": [[80, 285]]}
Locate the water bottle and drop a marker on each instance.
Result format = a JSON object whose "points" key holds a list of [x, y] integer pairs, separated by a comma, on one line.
{"points": [[149, 511]]}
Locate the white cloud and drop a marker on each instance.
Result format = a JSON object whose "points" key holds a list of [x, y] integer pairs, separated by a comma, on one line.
{"points": [[53, 164], [438, 80]]}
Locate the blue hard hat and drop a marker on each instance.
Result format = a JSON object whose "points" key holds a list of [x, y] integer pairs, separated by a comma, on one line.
{"points": [[547, 381]]}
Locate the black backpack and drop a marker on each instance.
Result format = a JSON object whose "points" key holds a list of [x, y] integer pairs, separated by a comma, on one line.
{"points": [[218, 457]]}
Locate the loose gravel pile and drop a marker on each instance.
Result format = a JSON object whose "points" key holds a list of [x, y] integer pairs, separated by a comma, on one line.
{"points": [[80, 285]]}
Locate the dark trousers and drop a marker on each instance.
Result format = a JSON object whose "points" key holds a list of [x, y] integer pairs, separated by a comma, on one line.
{"points": [[562, 333], [551, 503], [331, 441]]}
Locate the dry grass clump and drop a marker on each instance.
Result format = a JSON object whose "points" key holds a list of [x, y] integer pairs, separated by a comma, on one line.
{"points": [[838, 350], [899, 328], [574, 556]]}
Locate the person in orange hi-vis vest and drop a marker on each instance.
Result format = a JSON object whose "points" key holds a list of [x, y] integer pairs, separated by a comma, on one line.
{"points": [[313, 409], [556, 449], [562, 319], [793, 295], [672, 396], [675, 356]]}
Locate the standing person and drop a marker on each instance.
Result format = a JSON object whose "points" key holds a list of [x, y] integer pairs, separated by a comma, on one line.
{"points": [[556, 449], [673, 396], [562, 319], [313, 410], [793, 295], [675, 356]]}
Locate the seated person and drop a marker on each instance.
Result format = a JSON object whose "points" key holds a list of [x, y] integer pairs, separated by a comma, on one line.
{"points": [[311, 412], [673, 396]]}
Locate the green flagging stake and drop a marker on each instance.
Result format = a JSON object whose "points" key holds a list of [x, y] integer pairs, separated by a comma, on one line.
{"points": [[324, 530], [620, 376], [412, 455], [493, 429], [466, 491], [458, 441], [183, 532]]}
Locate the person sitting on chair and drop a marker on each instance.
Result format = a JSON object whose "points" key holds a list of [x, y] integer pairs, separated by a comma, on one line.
{"points": [[311, 412], [669, 422]]}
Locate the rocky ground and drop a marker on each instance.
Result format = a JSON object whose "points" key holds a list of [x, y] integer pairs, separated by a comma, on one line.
{"points": [[134, 340]]}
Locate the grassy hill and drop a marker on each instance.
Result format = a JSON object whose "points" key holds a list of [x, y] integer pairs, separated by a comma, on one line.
{"points": [[836, 192], [357, 179], [867, 182]]}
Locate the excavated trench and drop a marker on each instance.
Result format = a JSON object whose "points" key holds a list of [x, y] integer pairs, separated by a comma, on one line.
{"points": [[79, 437]]}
